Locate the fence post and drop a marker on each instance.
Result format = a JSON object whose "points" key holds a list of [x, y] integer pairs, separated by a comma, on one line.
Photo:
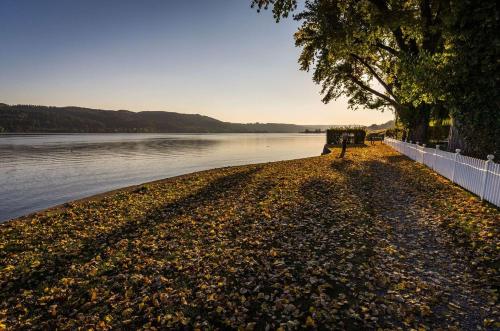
{"points": [[435, 158], [457, 153], [417, 152], [423, 152], [485, 175]]}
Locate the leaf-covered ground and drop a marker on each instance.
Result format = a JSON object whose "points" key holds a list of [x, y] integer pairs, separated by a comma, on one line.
{"points": [[373, 240]]}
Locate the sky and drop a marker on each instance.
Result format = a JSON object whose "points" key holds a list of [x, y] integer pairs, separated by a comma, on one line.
{"points": [[218, 58]]}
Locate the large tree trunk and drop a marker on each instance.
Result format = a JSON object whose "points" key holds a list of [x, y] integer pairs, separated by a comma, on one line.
{"points": [[455, 141]]}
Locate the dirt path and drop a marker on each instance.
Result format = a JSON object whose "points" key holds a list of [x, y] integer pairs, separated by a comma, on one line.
{"points": [[430, 275]]}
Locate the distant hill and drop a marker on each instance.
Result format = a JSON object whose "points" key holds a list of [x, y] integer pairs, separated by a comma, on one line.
{"points": [[384, 126], [42, 119]]}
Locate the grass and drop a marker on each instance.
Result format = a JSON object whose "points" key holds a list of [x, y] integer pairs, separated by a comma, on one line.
{"points": [[310, 243]]}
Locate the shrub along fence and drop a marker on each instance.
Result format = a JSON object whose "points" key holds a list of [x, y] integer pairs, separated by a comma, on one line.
{"points": [[481, 177], [438, 132], [356, 135]]}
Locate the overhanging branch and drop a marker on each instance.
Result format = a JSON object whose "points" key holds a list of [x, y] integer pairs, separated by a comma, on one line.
{"points": [[356, 81], [387, 48], [375, 74]]}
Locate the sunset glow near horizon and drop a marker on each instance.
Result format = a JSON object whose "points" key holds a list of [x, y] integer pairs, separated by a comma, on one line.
{"points": [[217, 58]]}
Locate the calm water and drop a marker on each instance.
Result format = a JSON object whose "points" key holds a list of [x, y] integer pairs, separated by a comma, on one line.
{"points": [[39, 171]]}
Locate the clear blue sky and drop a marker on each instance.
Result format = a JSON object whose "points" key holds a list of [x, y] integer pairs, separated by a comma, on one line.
{"points": [[214, 57]]}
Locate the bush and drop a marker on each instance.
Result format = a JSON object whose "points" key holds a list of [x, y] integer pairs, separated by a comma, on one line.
{"points": [[375, 136], [438, 132], [356, 135], [394, 133]]}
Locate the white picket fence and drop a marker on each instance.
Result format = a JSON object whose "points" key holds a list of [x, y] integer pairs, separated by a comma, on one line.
{"points": [[481, 177]]}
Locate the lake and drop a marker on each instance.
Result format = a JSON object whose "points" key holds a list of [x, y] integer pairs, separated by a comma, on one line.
{"points": [[38, 171]]}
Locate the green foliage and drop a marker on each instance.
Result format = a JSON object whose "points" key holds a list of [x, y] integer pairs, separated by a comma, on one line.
{"points": [[462, 78], [438, 132], [339, 41], [364, 50], [281, 8], [426, 59], [466, 76], [353, 42], [396, 133]]}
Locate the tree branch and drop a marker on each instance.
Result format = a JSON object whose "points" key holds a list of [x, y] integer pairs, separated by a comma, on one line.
{"points": [[375, 74], [387, 48], [397, 32], [356, 81]]}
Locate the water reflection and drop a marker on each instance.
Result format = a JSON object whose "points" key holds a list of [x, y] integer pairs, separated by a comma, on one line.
{"points": [[39, 171]]}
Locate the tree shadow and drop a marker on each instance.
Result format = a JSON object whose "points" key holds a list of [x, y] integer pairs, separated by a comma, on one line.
{"points": [[392, 191], [340, 213], [316, 191], [60, 264], [397, 158], [348, 145], [341, 164]]}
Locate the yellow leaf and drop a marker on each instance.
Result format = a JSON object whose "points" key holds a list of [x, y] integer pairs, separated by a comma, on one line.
{"points": [[93, 295], [310, 322], [53, 310], [127, 312], [9, 267]]}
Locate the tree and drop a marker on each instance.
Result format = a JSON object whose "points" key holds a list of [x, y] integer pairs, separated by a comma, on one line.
{"points": [[464, 77], [364, 49], [422, 58], [473, 76]]}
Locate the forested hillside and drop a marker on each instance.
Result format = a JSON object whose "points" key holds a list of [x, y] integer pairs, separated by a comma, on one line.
{"points": [[383, 126], [29, 118]]}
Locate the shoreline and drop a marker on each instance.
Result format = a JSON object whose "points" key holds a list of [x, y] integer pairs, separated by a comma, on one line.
{"points": [[100, 196], [317, 242], [34, 188]]}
